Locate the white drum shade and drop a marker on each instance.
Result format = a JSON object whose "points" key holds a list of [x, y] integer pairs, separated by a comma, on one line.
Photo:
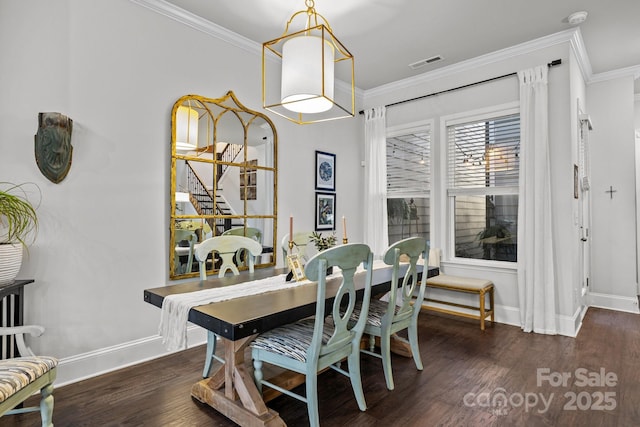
{"points": [[303, 70]]}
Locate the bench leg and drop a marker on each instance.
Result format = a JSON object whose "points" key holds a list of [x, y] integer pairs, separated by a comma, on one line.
{"points": [[493, 310], [482, 310]]}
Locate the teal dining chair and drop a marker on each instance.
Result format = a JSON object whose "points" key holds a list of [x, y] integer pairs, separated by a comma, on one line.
{"points": [[301, 240], [314, 344], [226, 247], [400, 312], [252, 233]]}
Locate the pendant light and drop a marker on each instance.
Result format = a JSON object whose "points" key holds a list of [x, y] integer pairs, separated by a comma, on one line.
{"points": [[299, 71]]}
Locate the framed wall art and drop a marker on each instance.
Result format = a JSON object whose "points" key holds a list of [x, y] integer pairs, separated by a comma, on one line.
{"points": [[325, 171], [325, 211]]}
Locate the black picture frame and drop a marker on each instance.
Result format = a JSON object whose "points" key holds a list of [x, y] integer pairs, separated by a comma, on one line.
{"points": [[325, 211], [325, 171]]}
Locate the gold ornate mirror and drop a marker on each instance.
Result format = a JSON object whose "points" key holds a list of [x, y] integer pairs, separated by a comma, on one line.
{"points": [[223, 179]]}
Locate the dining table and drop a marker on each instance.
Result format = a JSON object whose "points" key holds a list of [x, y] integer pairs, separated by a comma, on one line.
{"points": [[238, 320]]}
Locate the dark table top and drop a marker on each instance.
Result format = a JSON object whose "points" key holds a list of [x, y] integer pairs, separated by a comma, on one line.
{"points": [[253, 314]]}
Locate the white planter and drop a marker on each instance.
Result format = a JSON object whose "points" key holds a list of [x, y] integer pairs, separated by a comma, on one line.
{"points": [[10, 262]]}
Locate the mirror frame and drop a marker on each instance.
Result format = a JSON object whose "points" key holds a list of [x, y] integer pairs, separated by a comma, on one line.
{"points": [[211, 110]]}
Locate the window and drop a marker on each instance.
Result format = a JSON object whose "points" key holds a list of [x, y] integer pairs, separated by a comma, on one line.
{"points": [[408, 183], [482, 186]]}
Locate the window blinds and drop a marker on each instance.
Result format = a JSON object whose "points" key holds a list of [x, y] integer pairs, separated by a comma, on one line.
{"points": [[484, 153], [409, 164]]}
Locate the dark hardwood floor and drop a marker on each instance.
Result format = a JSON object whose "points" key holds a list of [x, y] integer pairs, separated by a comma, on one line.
{"points": [[470, 378]]}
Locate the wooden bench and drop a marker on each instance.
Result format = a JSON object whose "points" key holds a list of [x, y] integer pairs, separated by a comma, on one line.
{"points": [[481, 287]]}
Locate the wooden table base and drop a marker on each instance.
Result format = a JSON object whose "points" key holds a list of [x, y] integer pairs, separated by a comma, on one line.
{"points": [[231, 391], [240, 400], [234, 409]]}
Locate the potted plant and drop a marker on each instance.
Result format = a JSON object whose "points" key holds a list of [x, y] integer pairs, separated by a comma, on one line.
{"points": [[18, 224], [323, 243]]}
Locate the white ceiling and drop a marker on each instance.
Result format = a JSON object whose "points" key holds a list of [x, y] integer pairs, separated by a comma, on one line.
{"points": [[385, 36]]}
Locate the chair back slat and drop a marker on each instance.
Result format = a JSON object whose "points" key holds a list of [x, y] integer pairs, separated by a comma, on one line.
{"points": [[348, 258], [227, 246], [411, 248]]}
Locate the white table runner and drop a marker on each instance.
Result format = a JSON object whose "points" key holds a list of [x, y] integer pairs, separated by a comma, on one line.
{"points": [[175, 308]]}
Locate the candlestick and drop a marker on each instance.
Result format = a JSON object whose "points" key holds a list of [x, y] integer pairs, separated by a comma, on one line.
{"points": [[344, 228], [291, 228]]}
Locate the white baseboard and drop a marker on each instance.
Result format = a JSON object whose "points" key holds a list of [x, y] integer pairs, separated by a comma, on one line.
{"points": [[507, 315], [567, 325], [87, 365], [613, 302]]}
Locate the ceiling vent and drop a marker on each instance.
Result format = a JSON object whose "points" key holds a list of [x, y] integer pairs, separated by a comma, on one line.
{"points": [[423, 62]]}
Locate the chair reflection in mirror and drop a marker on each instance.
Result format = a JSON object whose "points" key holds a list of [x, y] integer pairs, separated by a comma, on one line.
{"points": [[251, 232], [185, 241], [187, 234], [226, 247]]}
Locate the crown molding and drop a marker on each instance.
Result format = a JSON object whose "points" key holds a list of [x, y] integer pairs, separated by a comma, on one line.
{"points": [[196, 22], [572, 36], [489, 58], [580, 51], [633, 71]]}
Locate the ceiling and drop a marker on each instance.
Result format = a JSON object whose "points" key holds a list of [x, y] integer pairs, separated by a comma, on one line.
{"points": [[385, 36]]}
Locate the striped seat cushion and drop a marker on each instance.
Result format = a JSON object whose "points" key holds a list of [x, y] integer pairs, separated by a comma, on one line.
{"points": [[17, 373], [377, 310], [292, 340]]}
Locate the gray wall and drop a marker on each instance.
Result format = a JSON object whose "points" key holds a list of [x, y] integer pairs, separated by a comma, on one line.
{"points": [[609, 102], [116, 69]]}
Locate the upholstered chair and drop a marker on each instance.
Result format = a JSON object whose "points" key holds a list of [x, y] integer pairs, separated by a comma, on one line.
{"points": [[21, 377], [311, 345], [400, 312]]}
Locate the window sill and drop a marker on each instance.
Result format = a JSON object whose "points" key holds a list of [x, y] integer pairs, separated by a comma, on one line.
{"points": [[503, 266]]}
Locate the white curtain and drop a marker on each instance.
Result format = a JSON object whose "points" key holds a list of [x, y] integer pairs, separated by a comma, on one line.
{"points": [[375, 181], [536, 268]]}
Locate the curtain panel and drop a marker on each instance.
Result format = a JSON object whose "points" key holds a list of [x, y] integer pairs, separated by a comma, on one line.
{"points": [[536, 266], [375, 181]]}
